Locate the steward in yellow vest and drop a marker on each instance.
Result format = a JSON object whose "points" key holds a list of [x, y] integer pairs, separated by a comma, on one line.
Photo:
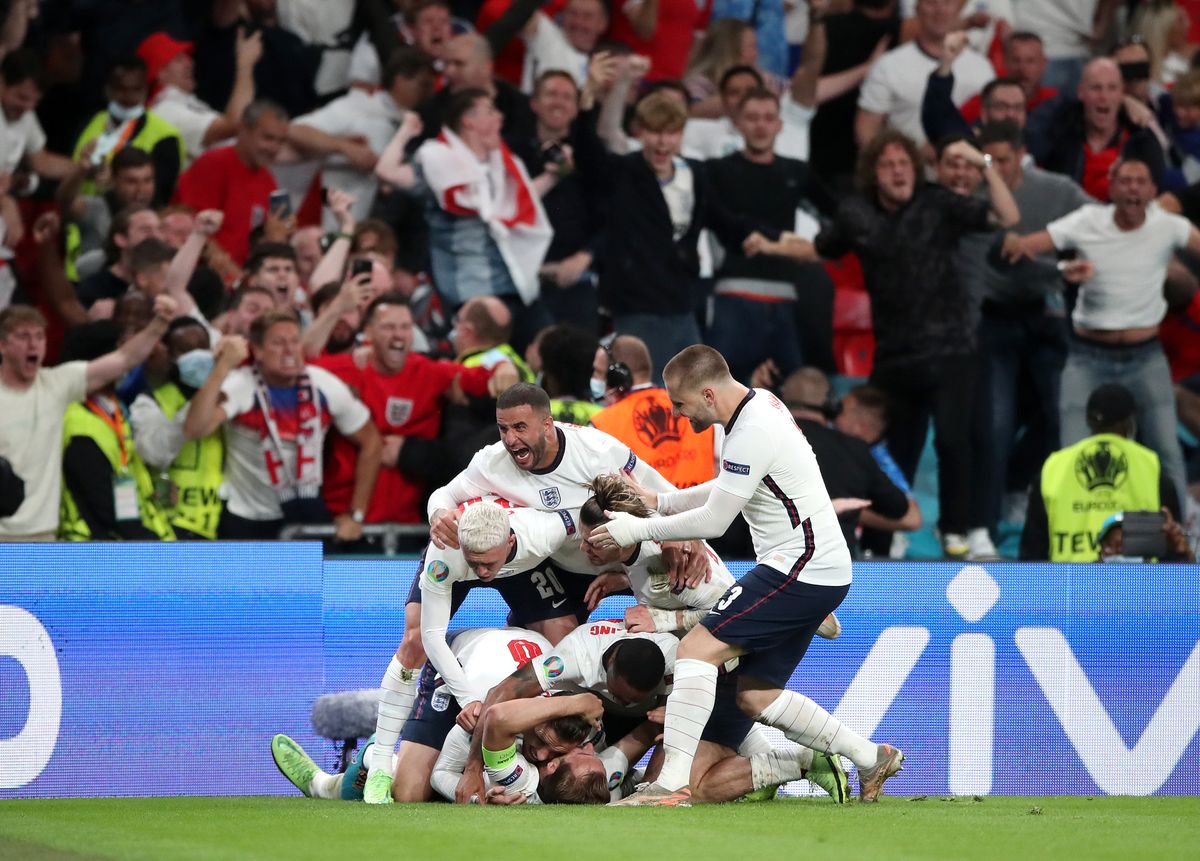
{"points": [[108, 494], [493, 356], [1085, 483], [196, 474]]}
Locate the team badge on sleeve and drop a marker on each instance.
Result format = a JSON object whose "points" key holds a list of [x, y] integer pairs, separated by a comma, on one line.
{"points": [[735, 468], [552, 667], [438, 570], [614, 780], [512, 778], [568, 522], [631, 463], [550, 497]]}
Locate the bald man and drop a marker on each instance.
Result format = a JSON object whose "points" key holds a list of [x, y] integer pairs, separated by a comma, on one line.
{"points": [[480, 335], [469, 64], [1089, 133]]}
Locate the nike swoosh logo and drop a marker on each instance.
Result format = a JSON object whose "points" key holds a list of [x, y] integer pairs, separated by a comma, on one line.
{"points": [[558, 604]]}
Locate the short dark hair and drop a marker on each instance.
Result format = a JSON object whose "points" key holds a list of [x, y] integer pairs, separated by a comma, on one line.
{"points": [[1133, 159], [392, 297], [148, 255], [944, 143], [179, 324], [524, 395], [460, 104], [264, 251], [869, 155], [995, 84], [640, 662], [245, 290], [733, 71], [129, 157], [257, 108], [758, 94], [1004, 131], [568, 354], [870, 399], [131, 63], [564, 787], [406, 62], [411, 13], [573, 729], [23, 64], [259, 328], [120, 227], [387, 243], [551, 74], [1024, 36]]}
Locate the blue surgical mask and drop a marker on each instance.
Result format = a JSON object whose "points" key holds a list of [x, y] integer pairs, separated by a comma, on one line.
{"points": [[122, 114], [194, 367], [599, 389]]}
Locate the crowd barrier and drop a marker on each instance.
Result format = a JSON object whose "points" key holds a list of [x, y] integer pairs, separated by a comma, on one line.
{"points": [[141, 669]]}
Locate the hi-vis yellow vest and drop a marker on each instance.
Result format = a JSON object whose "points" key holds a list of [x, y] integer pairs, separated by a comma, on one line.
{"points": [[488, 358], [79, 421], [1085, 483], [154, 129], [197, 473]]}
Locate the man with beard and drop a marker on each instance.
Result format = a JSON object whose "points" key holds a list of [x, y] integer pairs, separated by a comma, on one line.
{"points": [[195, 468], [405, 393]]}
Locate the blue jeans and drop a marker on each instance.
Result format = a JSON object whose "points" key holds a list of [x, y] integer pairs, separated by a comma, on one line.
{"points": [[747, 332], [1013, 348], [664, 334], [1141, 368]]}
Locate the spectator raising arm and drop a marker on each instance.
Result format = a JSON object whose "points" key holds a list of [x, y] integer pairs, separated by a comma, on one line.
{"points": [[110, 368], [206, 414], [355, 293], [183, 264], [333, 263], [248, 52], [393, 165]]}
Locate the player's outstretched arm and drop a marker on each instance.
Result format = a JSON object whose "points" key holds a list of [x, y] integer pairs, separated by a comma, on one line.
{"points": [[709, 521], [435, 620], [502, 723]]}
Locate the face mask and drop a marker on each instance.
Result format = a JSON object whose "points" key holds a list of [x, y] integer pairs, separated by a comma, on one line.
{"points": [[122, 114], [194, 367], [599, 389]]}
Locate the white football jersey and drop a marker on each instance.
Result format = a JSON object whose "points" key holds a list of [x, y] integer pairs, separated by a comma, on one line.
{"points": [[767, 461], [488, 656], [583, 454], [652, 587], [537, 534], [577, 663]]}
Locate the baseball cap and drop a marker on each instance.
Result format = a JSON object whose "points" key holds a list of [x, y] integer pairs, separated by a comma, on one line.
{"points": [[157, 50], [1110, 403]]}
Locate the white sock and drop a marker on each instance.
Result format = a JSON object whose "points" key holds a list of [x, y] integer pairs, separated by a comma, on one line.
{"points": [[395, 702], [781, 765], [806, 723], [688, 708], [326, 786]]}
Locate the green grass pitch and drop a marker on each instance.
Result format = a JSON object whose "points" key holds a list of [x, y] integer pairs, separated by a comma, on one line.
{"points": [[262, 829]]}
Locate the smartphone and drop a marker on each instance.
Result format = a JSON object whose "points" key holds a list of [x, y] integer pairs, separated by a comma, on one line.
{"points": [[1143, 535], [361, 266], [280, 203]]}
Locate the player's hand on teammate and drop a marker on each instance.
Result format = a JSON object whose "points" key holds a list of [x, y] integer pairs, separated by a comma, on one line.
{"points": [[471, 784], [443, 529], [497, 795], [469, 716], [843, 505], [687, 563], [638, 620], [649, 497], [603, 585], [591, 708]]}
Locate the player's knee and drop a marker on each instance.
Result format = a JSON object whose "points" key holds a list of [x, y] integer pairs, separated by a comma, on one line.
{"points": [[754, 701]]}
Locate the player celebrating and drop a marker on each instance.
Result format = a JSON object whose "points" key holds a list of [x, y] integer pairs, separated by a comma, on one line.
{"points": [[768, 474]]}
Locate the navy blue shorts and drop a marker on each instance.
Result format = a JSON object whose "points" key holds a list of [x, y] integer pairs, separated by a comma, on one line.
{"points": [[546, 592], [433, 715], [773, 617], [728, 725]]}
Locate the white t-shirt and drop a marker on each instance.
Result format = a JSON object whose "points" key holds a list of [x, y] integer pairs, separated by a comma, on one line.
{"points": [[1127, 290], [577, 663], [189, 114], [249, 493], [31, 438], [707, 139], [767, 461], [979, 38], [19, 138], [652, 586], [325, 23], [1064, 25], [895, 86], [547, 48], [538, 534], [372, 115], [584, 453]]}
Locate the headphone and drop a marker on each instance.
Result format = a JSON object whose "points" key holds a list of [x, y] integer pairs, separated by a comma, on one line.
{"points": [[831, 407], [618, 376]]}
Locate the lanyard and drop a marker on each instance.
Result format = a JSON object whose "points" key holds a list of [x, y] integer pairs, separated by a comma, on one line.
{"points": [[114, 420]]}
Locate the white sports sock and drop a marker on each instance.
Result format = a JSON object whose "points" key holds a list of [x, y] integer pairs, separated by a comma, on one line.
{"points": [[806, 723], [326, 786], [688, 708], [395, 702], [780, 766]]}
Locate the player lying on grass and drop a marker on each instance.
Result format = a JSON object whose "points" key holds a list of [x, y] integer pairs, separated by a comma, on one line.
{"points": [[768, 618], [662, 605]]}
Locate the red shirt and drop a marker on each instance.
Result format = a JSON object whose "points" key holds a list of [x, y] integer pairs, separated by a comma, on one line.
{"points": [[510, 62], [1097, 167], [405, 404], [219, 179], [1180, 336], [671, 43]]}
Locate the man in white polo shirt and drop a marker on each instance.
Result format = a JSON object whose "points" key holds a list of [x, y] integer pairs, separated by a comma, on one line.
{"points": [[1129, 243], [895, 86]]}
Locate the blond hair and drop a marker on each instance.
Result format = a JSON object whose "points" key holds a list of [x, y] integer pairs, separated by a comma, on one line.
{"points": [[610, 493], [698, 366], [482, 526], [20, 315], [660, 112]]}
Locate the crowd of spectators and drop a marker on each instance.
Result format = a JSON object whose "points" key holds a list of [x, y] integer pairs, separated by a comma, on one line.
{"points": [[269, 262]]}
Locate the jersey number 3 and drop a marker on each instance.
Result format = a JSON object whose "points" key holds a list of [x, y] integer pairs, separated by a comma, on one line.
{"points": [[730, 597]]}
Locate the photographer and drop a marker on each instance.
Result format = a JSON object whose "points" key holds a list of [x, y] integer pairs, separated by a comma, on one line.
{"points": [[1113, 539]]}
